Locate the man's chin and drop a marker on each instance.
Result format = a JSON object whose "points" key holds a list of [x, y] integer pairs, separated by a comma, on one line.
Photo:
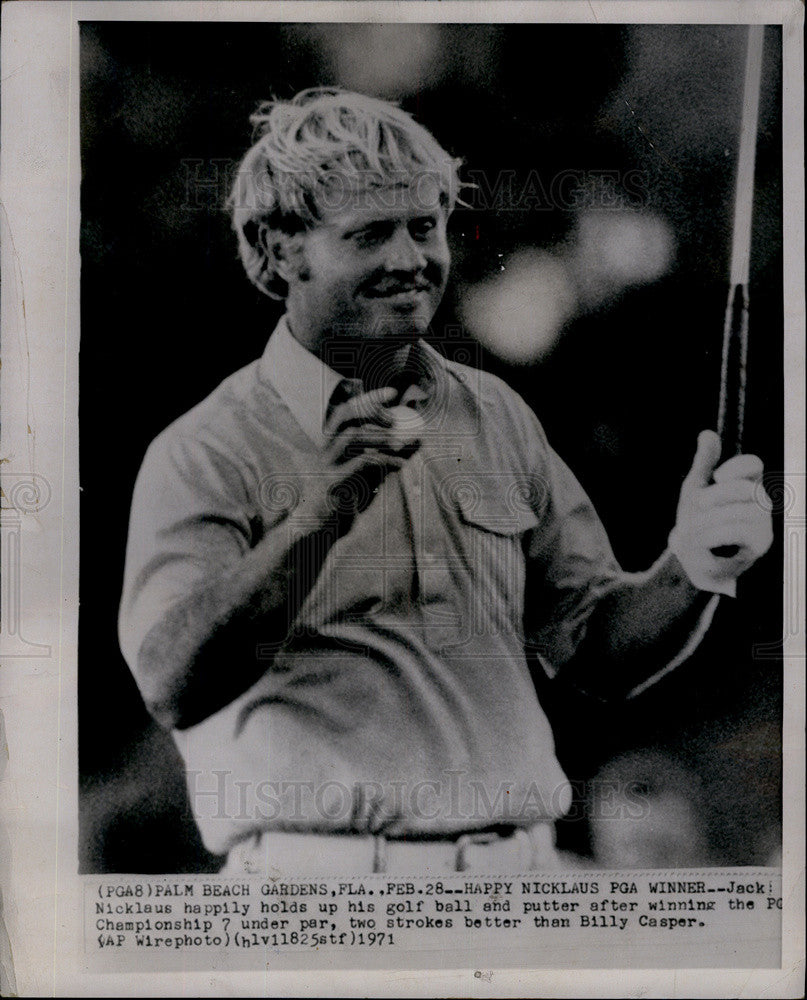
{"points": [[408, 326]]}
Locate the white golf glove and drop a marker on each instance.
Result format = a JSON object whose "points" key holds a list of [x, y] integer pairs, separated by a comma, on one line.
{"points": [[722, 506]]}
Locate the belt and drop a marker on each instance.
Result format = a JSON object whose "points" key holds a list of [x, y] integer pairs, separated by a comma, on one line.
{"points": [[277, 854]]}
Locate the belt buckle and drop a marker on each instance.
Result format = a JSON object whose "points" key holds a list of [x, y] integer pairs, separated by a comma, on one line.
{"points": [[466, 840]]}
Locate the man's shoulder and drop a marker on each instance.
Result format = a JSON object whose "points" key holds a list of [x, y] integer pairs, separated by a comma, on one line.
{"points": [[493, 396], [219, 417]]}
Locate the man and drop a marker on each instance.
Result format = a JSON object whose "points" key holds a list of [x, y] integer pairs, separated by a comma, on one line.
{"points": [[337, 559]]}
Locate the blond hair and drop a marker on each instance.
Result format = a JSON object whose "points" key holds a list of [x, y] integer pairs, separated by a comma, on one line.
{"points": [[311, 151]]}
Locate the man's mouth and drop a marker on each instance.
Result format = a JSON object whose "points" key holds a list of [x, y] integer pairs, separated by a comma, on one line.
{"points": [[397, 291]]}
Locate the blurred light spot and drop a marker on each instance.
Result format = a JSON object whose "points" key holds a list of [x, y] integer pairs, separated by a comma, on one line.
{"points": [[386, 60], [611, 251], [647, 811], [519, 313]]}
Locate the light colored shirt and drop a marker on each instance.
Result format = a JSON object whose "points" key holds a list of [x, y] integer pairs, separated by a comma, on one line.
{"points": [[400, 701]]}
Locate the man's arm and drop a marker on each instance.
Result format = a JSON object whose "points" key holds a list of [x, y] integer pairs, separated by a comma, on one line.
{"points": [[639, 629], [643, 624], [202, 652]]}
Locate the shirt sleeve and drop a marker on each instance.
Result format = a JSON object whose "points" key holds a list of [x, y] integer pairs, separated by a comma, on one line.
{"points": [[570, 563], [190, 518], [571, 567]]}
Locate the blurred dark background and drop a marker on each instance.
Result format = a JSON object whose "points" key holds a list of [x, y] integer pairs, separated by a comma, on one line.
{"points": [[590, 270]]}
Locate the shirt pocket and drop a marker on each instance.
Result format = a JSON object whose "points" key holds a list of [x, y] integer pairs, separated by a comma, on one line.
{"points": [[494, 519]]}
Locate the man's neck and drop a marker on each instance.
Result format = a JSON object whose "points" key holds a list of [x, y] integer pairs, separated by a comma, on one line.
{"points": [[376, 361]]}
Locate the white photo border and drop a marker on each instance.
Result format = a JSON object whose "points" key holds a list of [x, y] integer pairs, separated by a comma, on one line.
{"points": [[41, 891]]}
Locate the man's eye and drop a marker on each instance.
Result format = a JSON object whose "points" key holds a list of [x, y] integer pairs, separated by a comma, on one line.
{"points": [[422, 228], [370, 235]]}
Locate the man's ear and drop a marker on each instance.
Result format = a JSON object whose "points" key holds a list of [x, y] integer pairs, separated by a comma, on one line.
{"points": [[285, 253]]}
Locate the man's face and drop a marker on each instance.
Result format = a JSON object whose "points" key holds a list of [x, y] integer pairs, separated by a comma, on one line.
{"points": [[374, 268]]}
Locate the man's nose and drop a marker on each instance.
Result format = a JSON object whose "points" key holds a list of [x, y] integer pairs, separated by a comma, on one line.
{"points": [[404, 253]]}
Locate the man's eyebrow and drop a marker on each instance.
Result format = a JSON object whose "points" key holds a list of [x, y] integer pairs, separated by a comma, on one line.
{"points": [[381, 224], [370, 224]]}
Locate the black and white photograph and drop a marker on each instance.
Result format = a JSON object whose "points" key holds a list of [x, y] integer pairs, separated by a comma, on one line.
{"points": [[434, 550], [434, 487]]}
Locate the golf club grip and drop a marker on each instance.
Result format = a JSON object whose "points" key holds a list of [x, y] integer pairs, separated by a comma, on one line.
{"points": [[731, 446], [731, 413]]}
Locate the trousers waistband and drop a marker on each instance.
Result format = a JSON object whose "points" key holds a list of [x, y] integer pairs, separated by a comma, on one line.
{"points": [[279, 854]]}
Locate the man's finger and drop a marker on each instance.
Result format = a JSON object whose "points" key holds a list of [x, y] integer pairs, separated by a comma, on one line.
{"points": [[729, 492], [740, 467], [380, 459], [706, 458], [732, 513], [750, 538], [368, 407], [365, 437], [355, 437]]}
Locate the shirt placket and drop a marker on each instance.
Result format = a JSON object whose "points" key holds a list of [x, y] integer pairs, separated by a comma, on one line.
{"points": [[431, 556]]}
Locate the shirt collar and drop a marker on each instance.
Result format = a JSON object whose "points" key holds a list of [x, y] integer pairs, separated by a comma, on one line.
{"points": [[306, 384], [303, 382]]}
